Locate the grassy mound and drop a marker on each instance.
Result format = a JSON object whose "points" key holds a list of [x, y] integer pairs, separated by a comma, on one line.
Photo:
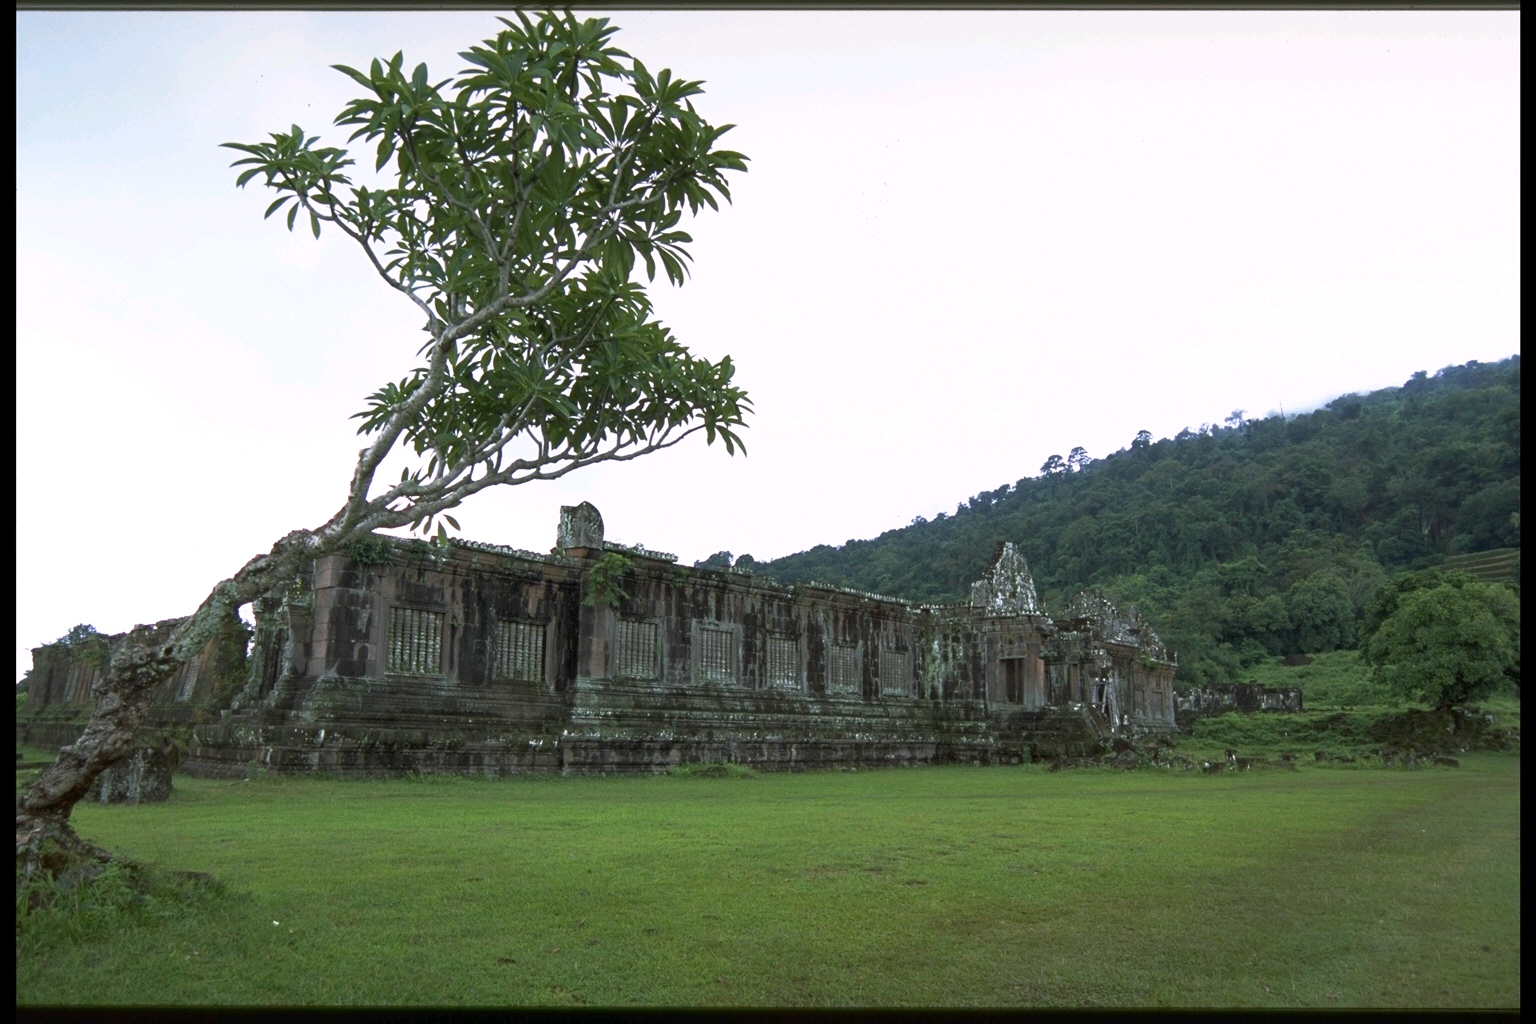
{"points": [[76, 902]]}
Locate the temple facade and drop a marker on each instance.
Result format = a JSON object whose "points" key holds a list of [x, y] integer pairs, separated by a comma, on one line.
{"points": [[598, 657]]}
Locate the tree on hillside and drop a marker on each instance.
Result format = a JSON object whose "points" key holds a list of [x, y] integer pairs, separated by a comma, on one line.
{"points": [[523, 195], [1389, 594], [1491, 517], [1444, 635], [1322, 617]]}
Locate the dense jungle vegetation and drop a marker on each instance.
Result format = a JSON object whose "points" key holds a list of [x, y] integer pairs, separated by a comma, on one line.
{"points": [[1254, 538]]}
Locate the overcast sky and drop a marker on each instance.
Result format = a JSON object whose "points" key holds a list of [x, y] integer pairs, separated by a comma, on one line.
{"points": [[967, 241]]}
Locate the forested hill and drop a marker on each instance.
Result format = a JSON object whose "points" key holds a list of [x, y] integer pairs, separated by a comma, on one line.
{"points": [[1263, 536]]}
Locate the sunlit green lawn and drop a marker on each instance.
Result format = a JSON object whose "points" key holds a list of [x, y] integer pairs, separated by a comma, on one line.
{"points": [[929, 887]]}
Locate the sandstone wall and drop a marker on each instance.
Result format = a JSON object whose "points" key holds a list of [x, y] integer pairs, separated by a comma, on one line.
{"points": [[596, 657], [1245, 697]]}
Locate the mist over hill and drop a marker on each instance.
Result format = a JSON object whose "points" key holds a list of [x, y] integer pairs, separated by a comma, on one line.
{"points": [[1238, 541]]}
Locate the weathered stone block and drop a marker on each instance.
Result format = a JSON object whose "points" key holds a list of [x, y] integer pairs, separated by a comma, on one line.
{"points": [[143, 777]]}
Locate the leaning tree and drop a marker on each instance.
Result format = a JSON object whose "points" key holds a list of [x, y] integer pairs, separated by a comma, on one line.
{"points": [[523, 193]]}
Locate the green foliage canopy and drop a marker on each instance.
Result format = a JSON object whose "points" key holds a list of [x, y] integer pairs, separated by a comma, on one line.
{"points": [[1321, 613], [1443, 634], [524, 192], [85, 642], [78, 636]]}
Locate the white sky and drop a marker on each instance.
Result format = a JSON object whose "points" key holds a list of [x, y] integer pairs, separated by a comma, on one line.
{"points": [[968, 240]]}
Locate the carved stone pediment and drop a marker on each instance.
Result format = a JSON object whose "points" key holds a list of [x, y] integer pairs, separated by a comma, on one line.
{"points": [[1007, 588], [1092, 613], [581, 526]]}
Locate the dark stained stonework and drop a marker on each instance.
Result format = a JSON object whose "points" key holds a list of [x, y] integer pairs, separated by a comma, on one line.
{"points": [[59, 691], [474, 658], [1244, 697], [143, 777]]}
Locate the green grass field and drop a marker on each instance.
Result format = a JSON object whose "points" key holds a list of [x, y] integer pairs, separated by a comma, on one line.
{"points": [[916, 887]]}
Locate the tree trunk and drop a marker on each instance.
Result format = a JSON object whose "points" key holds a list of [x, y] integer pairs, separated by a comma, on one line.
{"points": [[122, 697], [139, 664]]}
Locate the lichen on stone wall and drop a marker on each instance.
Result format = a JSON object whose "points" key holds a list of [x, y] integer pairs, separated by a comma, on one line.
{"points": [[1093, 614], [1007, 588], [940, 666]]}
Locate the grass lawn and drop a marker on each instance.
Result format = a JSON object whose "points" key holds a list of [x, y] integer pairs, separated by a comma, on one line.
{"points": [[917, 887]]}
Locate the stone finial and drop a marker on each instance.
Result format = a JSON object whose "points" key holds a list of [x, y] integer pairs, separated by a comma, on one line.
{"points": [[1007, 588], [581, 526]]}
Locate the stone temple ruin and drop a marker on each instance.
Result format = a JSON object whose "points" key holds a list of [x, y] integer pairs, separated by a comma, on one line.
{"points": [[600, 657]]}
